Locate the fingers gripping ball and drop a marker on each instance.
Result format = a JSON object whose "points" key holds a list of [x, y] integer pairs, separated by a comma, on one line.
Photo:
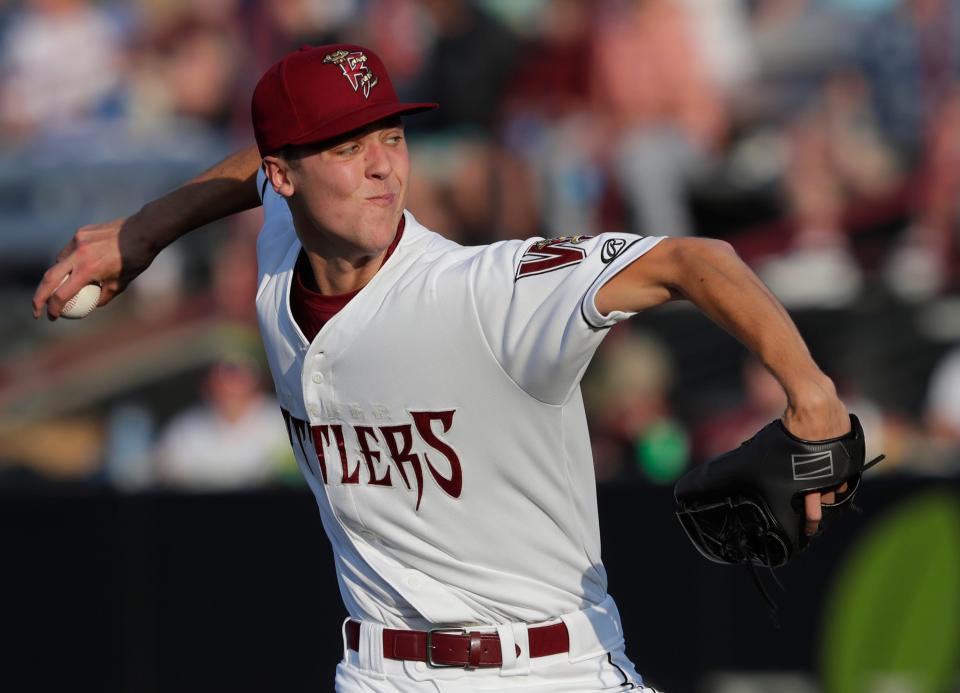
{"points": [[746, 506], [83, 303]]}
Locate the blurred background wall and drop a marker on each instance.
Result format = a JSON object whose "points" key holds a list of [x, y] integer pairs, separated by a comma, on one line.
{"points": [[820, 137]]}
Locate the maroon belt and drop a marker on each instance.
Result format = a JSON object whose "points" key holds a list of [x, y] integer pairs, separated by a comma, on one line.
{"points": [[459, 647]]}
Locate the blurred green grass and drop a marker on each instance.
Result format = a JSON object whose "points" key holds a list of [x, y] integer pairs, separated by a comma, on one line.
{"points": [[892, 620]]}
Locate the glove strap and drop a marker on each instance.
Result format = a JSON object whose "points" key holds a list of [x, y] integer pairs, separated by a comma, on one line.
{"points": [[772, 608], [875, 460]]}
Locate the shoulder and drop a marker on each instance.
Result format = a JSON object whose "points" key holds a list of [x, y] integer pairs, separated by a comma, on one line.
{"points": [[426, 248]]}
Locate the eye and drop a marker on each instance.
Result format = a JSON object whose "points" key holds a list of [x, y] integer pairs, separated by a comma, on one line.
{"points": [[348, 149], [395, 138]]}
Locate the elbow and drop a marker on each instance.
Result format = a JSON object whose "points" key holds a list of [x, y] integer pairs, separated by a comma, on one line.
{"points": [[692, 255], [698, 249], [701, 249], [700, 262]]}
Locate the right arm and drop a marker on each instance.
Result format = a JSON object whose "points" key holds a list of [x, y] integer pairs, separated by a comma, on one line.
{"points": [[116, 252]]}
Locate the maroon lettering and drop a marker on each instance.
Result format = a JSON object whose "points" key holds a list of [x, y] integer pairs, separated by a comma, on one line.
{"points": [[347, 477], [549, 255], [400, 454], [371, 457], [321, 437], [296, 429], [398, 443], [422, 420]]}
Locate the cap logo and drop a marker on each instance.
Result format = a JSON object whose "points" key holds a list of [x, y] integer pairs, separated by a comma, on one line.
{"points": [[354, 67]]}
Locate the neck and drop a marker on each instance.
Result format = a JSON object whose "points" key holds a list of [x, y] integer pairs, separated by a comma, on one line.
{"points": [[341, 275], [338, 266]]}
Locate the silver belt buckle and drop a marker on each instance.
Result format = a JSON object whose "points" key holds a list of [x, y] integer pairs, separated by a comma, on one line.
{"points": [[448, 631]]}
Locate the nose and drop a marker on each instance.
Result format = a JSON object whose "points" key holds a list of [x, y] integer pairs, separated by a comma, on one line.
{"points": [[378, 161]]}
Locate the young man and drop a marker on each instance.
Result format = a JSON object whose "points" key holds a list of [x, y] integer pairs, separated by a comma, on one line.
{"points": [[431, 391]]}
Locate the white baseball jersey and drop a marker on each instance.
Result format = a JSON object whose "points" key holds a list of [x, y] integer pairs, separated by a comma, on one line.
{"points": [[438, 420]]}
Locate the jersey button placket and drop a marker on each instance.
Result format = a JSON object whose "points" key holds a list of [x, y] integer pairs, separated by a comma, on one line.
{"points": [[317, 378]]}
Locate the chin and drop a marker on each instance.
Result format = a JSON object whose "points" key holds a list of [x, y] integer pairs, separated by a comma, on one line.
{"points": [[380, 234], [386, 224]]}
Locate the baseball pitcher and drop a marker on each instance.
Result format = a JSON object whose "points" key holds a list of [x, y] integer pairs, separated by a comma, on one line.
{"points": [[431, 390]]}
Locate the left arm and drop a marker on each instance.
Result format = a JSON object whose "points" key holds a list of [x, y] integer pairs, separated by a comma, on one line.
{"points": [[710, 274]]}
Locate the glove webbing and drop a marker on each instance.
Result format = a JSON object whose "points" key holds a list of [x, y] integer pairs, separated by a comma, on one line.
{"points": [[739, 532]]}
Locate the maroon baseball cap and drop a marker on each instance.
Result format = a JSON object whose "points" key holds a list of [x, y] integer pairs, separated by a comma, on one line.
{"points": [[320, 92]]}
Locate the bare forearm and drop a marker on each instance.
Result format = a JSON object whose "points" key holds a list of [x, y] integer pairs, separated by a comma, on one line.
{"points": [[114, 253], [711, 275], [226, 188], [716, 280], [721, 285]]}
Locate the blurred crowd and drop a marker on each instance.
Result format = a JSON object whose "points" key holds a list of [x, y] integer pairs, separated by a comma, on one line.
{"points": [[820, 137]]}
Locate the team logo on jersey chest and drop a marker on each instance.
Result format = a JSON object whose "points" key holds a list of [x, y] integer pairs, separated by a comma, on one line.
{"points": [[354, 68], [414, 450], [551, 254]]}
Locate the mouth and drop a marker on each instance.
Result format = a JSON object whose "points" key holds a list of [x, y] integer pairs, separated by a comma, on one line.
{"points": [[384, 200]]}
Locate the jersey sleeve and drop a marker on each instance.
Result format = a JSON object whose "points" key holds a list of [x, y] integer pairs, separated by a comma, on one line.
{"points": [[536, 305]]}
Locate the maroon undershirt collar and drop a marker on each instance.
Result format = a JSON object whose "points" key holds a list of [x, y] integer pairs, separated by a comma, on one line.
{"points": [[310, 308]]}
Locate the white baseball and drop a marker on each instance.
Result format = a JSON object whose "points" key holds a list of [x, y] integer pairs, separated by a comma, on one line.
{"points": [[81, 305]]}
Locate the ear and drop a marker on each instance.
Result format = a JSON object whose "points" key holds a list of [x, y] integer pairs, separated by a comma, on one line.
{"points": [[278, 173]]}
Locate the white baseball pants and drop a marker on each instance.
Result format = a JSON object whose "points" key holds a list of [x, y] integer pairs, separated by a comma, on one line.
{"points": [[554, 674], [595, 662]]}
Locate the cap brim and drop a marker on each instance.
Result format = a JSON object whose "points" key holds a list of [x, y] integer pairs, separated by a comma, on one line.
{"points": [[358, 119]]}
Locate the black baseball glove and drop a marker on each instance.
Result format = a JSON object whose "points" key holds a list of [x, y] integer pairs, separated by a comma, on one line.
{"points": [[746, 506]]}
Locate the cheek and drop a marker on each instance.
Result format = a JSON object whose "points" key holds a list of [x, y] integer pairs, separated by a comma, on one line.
{"points": [[342, 181], [401, 165], [325, 189]]}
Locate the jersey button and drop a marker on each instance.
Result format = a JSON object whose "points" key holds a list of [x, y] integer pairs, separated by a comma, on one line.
{"points": [[314, 410], [317, 378]]}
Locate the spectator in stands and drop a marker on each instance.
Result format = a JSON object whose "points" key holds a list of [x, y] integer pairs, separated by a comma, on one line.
{"points": [[277, 27], [797, 43], [187, 75], [663, 117], [820, 141], [928, 444], [627, 394], [836, 158], [466, 67], [62, 64], [234, 439], [550, 130], [874, 118], [721, 30], [910, 57]]}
